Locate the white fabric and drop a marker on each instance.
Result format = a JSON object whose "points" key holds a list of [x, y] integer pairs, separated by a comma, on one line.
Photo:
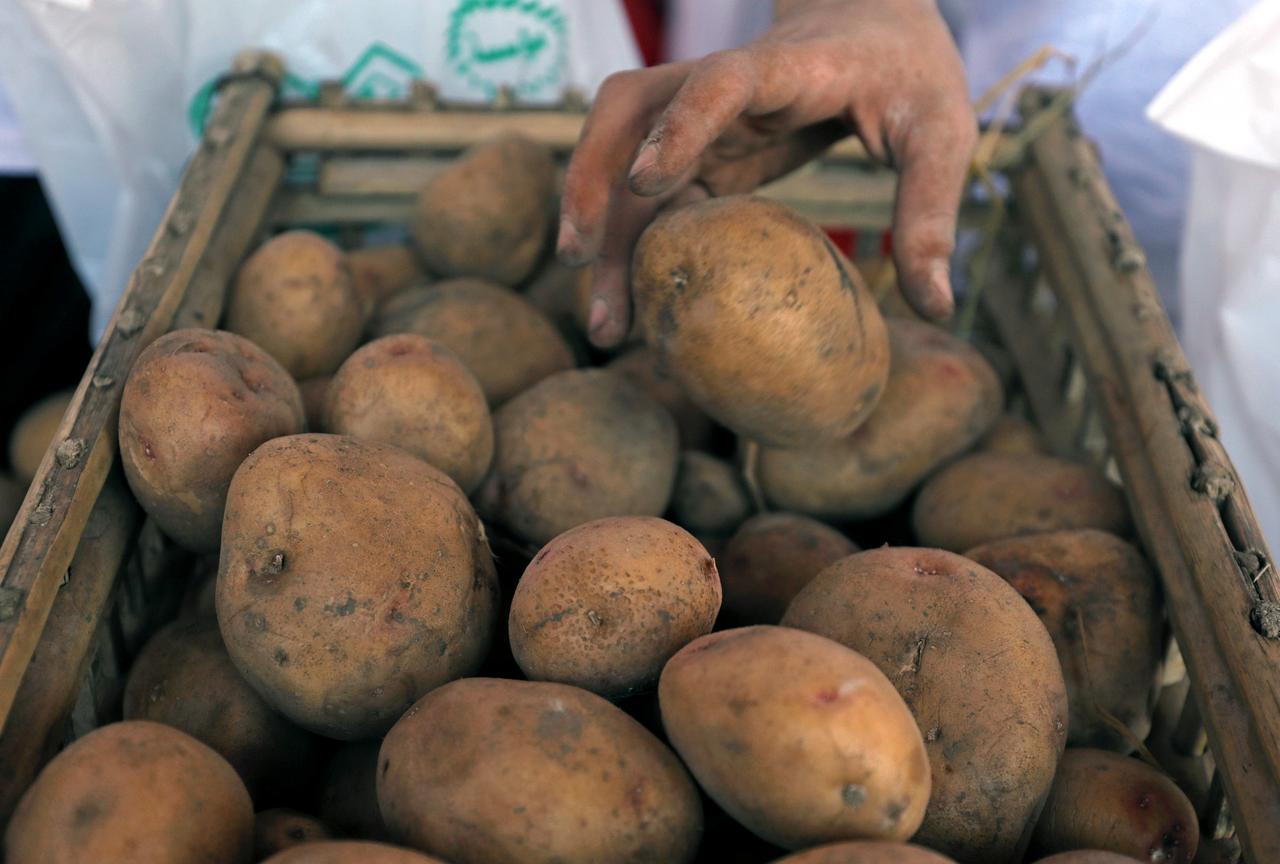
{"points": [[102, 89], [1226, 103], [15, 158]]}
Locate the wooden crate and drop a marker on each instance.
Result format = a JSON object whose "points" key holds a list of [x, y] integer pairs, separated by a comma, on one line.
{"points": [[84, 577]]}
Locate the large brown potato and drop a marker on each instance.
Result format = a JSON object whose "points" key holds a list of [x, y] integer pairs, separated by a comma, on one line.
{"points": [[989, 496], [1102, 800], [941, 396], [866, 852], [978, 671], [769, 329], [489, 213], [1098, 599], [769, 559], [797, 737], [184, 678], [416, 394], [33, 433], [350, 852], [295, 298], [605, 605], [490, 771], [647, 369], [710, 498], [506, 343], [195, 405], [379, 272], [581, 445], [133, 793], [353, 579], [281, 828], [349, 793]]}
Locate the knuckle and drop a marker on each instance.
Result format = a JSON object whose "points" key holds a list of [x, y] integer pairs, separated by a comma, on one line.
{"points": [[733, 63], [617, 83]]}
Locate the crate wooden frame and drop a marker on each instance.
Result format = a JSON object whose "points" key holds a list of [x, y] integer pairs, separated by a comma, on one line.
{"points": [[83, 577]]}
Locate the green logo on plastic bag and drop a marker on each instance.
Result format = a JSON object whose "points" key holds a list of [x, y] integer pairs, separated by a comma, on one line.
{"points": [[518, 43]]}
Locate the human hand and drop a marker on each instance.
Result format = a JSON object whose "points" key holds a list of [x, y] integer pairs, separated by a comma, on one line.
{"points": [[885, 70]]}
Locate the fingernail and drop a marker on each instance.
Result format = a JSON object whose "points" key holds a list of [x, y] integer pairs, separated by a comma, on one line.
{"points": [[598, 316], [568, 240], [645, 159], [940, 290]]}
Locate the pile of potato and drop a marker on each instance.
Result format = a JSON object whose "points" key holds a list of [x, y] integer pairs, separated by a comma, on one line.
{"points": [[679, 652]]}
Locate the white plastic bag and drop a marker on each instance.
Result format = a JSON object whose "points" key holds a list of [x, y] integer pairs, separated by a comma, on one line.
{"points": [[110, 93], [1225, 103]]}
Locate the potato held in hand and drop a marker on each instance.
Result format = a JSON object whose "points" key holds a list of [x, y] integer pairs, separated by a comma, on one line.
{"points": [[605, 605], [766, 325], [196, 403], [353, 579], [798, 738], [490, 771]]}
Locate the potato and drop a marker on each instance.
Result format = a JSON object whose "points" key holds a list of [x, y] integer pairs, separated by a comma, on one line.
{"points": [[489, 213], [989, 496], [134, 793], [797, 737], [977, 669], [646, 368], [350, 852], [605, 605], [33, 433], [579, 446], [1102, 800], [1099, 601], [765, 324], [349, 793], [314, 393], [941, 396], [353, 579], [563, 294], [1012, 433], [416, 394], [769, 559], [196, 403], [490, 771], [183, 677], [1086, 856], [506, 343], [295, 298], [379, 272], [11, 495], [710, 496], [281, 828], [866, 852]]}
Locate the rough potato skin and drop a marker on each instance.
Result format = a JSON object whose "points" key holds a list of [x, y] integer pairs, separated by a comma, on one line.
{"points": [[1093, 591], [416, 394], [295, 298], [506, 343], [379, 272], [710, 497], [184, 678], [647, 369], [133, 793], [33, 433], [578, 446], [1012, 433], [314, 393], [195, 404], [349, 793], [605, 605], [940, 397], [977, 669], [866, 852], [798, 738], [491, 771], [769, 559], [281, 828], [1102, 800], [769, 328], [989, 496], [350, 852], [353, 579], [489, 213]]}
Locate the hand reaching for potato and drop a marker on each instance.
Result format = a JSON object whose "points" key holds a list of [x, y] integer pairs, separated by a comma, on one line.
{"points": [[885, 70]]}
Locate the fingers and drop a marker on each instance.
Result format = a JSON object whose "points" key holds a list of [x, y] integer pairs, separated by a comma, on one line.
{"points": [[609, 316]]}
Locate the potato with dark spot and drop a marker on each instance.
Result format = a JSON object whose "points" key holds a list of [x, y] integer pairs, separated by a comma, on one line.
{"points": [[196, 403], [579, 446], [646, 368], [990, 496], [349, 792], [184, 678], [281, 828], [491, 771], [979, 673], [416, 394], [940, 398], [866, 852], [33, 433], [379, 272], [133, 793], [314, 393], [295, 299], [489, 213], [506, 343], [1099, 601], [765, 324], [1012, 433], [353, 579], [1102, 800], [769, 559], [350, 852], [710, 497], [798, 738], [605, 605]]}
